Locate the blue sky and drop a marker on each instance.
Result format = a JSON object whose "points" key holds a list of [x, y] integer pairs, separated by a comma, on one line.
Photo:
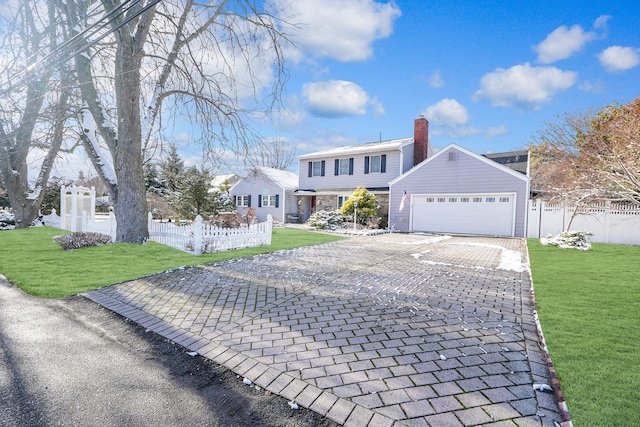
{"points": [[487, 75]]}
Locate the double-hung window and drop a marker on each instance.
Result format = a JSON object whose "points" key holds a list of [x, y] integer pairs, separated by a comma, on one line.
{"points": [[268, 201], [343, 166], [375, 164], [243, 201], [316, 168]]}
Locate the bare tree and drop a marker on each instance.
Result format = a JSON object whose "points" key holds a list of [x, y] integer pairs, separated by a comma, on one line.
{"points": [[274, 153], [587, 157], [33, 106], [162, 62]]}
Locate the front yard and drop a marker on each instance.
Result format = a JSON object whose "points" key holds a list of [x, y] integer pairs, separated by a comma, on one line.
{"points": [[588, 303], [589, 307], [31, 260]]}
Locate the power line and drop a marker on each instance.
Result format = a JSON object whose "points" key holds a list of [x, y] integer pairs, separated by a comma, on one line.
{"points": [[69, 44], [81, 36]]}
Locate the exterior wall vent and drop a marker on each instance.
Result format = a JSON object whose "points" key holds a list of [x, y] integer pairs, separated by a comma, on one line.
{"points": [[451, 156]]}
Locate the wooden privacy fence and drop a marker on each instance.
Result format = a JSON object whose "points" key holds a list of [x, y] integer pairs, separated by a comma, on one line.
{"points": [[198, 237], [609, 222]]}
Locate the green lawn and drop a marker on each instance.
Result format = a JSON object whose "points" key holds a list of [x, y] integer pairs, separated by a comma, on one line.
{"points": [[589, 307], [31, 260]]}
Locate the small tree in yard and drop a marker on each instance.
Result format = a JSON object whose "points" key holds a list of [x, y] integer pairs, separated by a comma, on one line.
{"points": [[153, 182], [367, 206], [171, 169], [193, 197]]}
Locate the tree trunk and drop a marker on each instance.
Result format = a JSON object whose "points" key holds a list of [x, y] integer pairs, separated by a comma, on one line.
{"points": [[13, 155], [25, 209], [130, 205]]}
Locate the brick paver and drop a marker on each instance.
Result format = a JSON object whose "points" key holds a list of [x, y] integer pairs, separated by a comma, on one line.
{"points": [[394, 329]]}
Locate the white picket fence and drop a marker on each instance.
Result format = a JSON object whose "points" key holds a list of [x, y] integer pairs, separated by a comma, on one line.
{"points": [[197, 237], [609, 223], [100, 223], [200, 237]]}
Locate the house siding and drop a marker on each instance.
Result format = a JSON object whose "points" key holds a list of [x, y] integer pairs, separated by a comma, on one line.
{"points": [[290, 206], [359, 178], [465, 175], [407, 158], [257, 186]]}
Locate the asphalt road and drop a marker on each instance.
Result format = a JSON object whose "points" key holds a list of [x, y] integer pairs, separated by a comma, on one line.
{"points": [[71, 362]]}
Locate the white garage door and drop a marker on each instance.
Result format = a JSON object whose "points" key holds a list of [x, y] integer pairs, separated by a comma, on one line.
{"points": [[491, 214]]}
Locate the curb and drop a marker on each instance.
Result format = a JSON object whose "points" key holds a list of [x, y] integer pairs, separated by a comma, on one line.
{"points": [[555, 383]]}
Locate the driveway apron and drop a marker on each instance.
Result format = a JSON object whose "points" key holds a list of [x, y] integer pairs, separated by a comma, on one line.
{"points": [[394, 329]]}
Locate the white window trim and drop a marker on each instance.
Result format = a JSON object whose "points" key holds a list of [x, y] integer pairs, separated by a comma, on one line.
{"points": [[242, 201], [268, 201], [379, 157], [342, 162], [313, 171]]}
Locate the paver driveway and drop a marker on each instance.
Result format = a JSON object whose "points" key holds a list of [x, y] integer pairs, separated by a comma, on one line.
{"points": [[395, 329]]}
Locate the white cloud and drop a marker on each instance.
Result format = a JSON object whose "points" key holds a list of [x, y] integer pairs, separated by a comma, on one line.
{"points": [[447, 112], [450, 118], [343, 30], [597, 86], [601, 22], [524, 85], [619, 58], [563, 42], [338, 98], [436, 80], [376, 106]]}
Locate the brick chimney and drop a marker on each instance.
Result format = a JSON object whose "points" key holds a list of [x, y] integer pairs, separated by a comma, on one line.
{"points": [[421, 138]]}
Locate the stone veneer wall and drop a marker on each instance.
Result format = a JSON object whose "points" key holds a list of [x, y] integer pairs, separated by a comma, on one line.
{"points": [[330, 203]]}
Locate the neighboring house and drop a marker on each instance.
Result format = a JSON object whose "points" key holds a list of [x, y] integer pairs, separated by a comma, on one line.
{"points": [[327, 178], [458, 191], [269, 191], [218, 180]]}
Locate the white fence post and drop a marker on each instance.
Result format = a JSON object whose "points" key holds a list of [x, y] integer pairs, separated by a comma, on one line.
{"points": [[197, 236], [269, 229], [74, 209], [112, 226]]}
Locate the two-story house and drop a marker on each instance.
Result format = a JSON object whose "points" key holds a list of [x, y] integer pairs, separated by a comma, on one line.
{"points": [[327, 178]]}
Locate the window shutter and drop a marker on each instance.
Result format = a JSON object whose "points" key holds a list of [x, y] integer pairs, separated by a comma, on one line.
{"points": [[383, 163], [310, 169], [322, 168], [336, 168], [366, 165], [350, 165], [259, 201], [249, 201], [277, 200]]}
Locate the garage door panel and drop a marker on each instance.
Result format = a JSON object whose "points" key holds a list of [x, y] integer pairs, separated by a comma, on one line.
{"points": [[474, 213]]}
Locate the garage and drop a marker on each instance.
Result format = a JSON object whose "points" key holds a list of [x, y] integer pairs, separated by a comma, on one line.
{"points": [[490, 214]]}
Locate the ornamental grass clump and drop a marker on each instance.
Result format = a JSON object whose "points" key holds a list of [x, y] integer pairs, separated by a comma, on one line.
{"points": [[326, 220], [569, 239], [79, 240]]}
